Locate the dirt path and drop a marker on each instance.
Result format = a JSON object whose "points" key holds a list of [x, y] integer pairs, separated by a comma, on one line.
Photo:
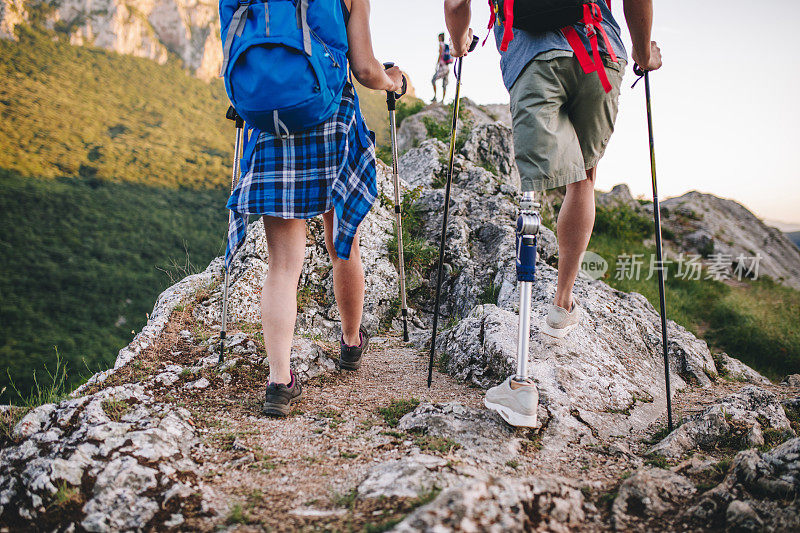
{"points": [[301, 473]]}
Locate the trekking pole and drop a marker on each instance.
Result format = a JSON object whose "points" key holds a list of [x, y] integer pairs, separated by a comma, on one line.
{"points": [[237, 154], [456, 104], [391, 104], [657, 221]]}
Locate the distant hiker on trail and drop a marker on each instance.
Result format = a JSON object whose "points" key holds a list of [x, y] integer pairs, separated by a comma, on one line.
{"points": [[563, 108], [442, 67], [328, 170]]}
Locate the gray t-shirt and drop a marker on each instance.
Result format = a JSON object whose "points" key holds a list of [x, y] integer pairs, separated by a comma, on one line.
{"points": [[526, 46]]}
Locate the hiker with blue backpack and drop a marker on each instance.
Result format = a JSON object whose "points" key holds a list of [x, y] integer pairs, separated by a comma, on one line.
{"points": [[562, 62], [307, 152], [443, 61]]}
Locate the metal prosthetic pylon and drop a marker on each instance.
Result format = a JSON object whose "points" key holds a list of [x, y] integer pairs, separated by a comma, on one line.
{"points": [[528, 224]]}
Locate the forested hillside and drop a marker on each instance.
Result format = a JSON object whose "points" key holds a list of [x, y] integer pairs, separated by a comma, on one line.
{"points": [[113, 176]]}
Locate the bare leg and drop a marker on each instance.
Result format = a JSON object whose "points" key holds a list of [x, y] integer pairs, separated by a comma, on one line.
{"points": [[348, 284], [286, 245], [575, 223], [434, 89]]}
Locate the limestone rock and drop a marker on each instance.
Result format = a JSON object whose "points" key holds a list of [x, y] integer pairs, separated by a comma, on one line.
{"points": [[124, 470], [759, 493], [741, 416], [404, 478], [500, 505], [649, 495], [413, 129], [188, 29], [734, 231], [491, 146], [736, 370], [620, 195], [791, 381], [480, 434], [422, 166]]}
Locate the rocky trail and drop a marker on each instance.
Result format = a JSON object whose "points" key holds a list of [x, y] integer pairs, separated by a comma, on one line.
{"points": [[171, 440]]}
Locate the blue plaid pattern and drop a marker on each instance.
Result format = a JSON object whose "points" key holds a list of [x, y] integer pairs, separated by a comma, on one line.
{"points": [[331, 166]]}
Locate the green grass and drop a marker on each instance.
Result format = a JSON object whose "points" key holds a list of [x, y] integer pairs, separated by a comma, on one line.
{"points": [[65, 496], [393, 412], [441, 445], [83, 262], [417, 253], [755, 321], [115, 409], [237, 515], [441, 129], [490, 293]]}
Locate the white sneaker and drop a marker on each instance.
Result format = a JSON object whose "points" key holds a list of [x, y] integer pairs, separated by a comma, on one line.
{"points": [[559, 321], [517, 405]]}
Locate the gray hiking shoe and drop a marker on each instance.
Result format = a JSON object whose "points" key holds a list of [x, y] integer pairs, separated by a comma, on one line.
{"points": [[559, 321], [350, 356], [516, 402], [279, 397]]}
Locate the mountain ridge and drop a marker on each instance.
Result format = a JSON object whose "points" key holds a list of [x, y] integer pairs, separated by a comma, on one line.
{"points": [[171, 439]]}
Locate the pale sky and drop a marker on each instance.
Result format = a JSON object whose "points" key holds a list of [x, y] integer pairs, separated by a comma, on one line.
{"points": [[725, 105]]}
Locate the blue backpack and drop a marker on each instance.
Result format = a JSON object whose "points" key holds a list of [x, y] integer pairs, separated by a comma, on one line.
{"points": [[284, 61], [447, 57]]}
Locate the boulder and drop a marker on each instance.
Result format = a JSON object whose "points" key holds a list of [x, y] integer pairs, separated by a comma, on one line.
{"points": [[480, 434], [120, 456], [620, 195], [759, 493], [502, 504], [648, 497], [413, 130], [405, 478], [733, 369], [739, 420]]}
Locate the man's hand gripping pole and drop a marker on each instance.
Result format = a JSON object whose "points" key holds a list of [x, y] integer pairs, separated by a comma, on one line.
{"points": [[528, 224]]}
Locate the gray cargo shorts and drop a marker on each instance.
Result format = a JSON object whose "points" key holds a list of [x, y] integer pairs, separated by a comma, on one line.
{"points": [[563, 119]]}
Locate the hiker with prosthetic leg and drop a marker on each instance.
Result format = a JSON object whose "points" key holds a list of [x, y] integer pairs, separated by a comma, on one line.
{"points": [[562, 62]]}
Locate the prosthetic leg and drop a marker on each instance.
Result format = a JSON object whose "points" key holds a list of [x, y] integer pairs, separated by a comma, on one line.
{"points": [[528, 224], [516, 399]]}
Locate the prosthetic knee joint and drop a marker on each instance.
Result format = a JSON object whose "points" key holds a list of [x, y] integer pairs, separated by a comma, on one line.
{"points": [[528, 224]]}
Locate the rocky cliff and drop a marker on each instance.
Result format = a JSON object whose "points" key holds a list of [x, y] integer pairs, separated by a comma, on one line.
{"points": [[719, 229], [170, 439], [189, 29]]}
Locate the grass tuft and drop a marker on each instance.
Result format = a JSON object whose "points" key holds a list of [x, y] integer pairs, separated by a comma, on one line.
{"points": [[393, 412]]}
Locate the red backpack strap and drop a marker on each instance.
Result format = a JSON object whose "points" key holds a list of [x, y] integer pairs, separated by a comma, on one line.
{"points": [[508, 24], [592, 20]]}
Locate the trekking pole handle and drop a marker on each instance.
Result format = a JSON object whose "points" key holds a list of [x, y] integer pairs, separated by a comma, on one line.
{"points": [[231, 114], [387, 66], [639, 71], [474, 43]]}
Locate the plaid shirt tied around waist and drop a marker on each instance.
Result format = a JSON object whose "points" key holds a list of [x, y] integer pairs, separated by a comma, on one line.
{"points": [[331, 166]]}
